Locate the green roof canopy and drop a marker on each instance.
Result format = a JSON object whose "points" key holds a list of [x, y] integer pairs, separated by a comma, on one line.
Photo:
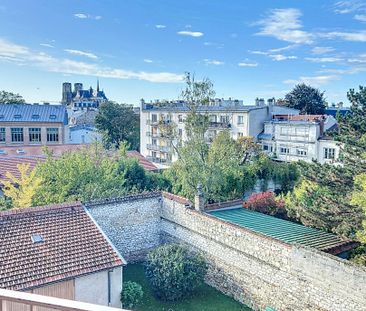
{"points": [[284, 230]]}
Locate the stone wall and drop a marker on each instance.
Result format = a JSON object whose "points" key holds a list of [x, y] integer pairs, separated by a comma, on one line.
{"points": [[131, 223], [256, 270]]}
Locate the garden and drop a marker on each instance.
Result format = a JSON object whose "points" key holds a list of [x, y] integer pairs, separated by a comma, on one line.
{"points": [[172, 280]]}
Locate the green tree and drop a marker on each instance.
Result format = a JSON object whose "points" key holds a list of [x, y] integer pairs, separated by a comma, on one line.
{"points": [[10, 98], [131, 295], [359, 199], [307, 99], [174, 272], [118, 123]]}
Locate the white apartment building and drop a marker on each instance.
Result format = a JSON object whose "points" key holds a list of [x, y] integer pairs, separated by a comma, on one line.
{"points": [[241, 120], [293, 138]]}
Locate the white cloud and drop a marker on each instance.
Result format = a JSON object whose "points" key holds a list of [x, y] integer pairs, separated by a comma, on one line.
{"points": [[81, 53], [323, 59], [315, 80], [213, 62], [190, 33], [280, 57], [47, 45], [86, 16], [247, 64], [22, 55], [258, 52], [322, 49], [148, 60], [160, 26], [358, 59], [360, 17], [285, 25], [359, 36], [349, 6]]}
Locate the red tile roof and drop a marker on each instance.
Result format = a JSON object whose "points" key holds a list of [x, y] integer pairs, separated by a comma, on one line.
{"points": [[146, 164], [72, 246]]}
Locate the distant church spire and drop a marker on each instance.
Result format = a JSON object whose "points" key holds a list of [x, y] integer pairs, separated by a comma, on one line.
{"points": [[97, 85]]}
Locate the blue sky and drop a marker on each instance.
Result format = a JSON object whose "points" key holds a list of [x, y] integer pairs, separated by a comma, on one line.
{"points": [[141, 48]]}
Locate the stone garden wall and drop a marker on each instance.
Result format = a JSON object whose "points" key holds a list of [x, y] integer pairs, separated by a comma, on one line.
{"points": [[254, 269]]}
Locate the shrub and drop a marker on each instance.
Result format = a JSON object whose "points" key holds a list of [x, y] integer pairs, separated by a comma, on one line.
{"points": [[131, 294], [266, 203], [173, 272]]}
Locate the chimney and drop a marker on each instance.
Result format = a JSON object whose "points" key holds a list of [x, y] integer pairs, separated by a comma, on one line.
{"points": [[199, 199], [340, 105]]}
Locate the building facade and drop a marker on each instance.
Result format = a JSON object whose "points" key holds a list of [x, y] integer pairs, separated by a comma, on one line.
{"points": [[294, 138], [25, 124], [78, 98], [241, 120]]}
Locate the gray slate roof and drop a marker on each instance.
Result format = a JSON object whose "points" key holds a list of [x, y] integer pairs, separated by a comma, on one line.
{"points": [[33, 113], [212, 108]]}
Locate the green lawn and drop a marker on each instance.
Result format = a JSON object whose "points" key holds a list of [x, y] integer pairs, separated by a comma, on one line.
{"points": [[206, 299]]}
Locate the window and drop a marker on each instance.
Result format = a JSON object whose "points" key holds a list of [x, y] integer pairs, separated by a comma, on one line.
{"points": [[35, 116], [240, 119], [284, 150], [265, 147], [154, 142], [180, 118], [301, 152], [180, 132], [153, 154], [2, 134], [329, 153], [224, 119], [34, 135], [240, 134], [213, 118], [154, 130], [154, 118], [52, 116], [17, 116], [17, 134], [52, 134]]}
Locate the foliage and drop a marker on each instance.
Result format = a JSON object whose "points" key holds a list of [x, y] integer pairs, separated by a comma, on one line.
{"points": [[358, 255], [267, 203], [316, 205], [90, 174], [118, 123], [307, 99], [205, 298], [359, 199], [21, 191], [10, 98], [173, 272], [131, 294]]}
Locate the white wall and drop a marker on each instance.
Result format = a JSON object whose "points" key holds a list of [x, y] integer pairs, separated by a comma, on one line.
{"points": [[83, 136], [93, 288]]}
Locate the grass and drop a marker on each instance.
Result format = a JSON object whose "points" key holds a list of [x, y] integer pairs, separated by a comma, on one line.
{"points": [[207, 298]]}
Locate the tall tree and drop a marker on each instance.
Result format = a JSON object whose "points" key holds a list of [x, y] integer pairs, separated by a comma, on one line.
{"points": [[22, 191], [118, 123], [307, 99], [10, 98]]}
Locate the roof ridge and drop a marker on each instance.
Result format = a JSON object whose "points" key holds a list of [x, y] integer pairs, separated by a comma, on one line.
{"points": [[130, 197], [43, 208]]}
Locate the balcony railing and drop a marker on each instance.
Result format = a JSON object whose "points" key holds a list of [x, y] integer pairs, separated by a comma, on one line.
{"points": [[9, 297], [159, 148], [154, 135], [225, 125], [158, 160], [152, 122]]}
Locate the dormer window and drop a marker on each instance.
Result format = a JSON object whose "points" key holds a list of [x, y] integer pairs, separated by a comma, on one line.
{"points": [[17, 116], [52, 116], [35, 116]]}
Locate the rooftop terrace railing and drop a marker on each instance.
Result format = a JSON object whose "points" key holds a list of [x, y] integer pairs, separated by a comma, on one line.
{"points": [[15, 300]]}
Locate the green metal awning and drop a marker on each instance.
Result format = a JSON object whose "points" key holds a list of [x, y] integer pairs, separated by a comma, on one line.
{"points": [[284, 230]]}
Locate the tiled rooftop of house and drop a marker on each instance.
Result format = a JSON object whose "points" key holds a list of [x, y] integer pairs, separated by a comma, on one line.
{"points": [[284, 230], [51, 243]]}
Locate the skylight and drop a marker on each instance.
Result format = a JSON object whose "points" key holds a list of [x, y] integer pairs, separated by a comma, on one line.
{"points": [[36, 238]]}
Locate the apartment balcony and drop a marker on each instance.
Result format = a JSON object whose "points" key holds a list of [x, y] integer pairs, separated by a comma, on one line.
{"points": [[153, 135], [16, 300], [158, 160], [220, 125], [159, 148], [151, 122]]}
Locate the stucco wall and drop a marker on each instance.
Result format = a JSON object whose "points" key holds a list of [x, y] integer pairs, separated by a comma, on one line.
{"points": [[93, 288], [254, 269]]}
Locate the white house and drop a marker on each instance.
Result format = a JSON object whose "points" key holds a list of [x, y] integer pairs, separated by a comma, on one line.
{"points": [[302, 137], [83, 134]]}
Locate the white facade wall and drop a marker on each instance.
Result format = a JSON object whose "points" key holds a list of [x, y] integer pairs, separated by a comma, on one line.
{"points": [[242, 123], [93, 288], [83, 136], [294, 141]]}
